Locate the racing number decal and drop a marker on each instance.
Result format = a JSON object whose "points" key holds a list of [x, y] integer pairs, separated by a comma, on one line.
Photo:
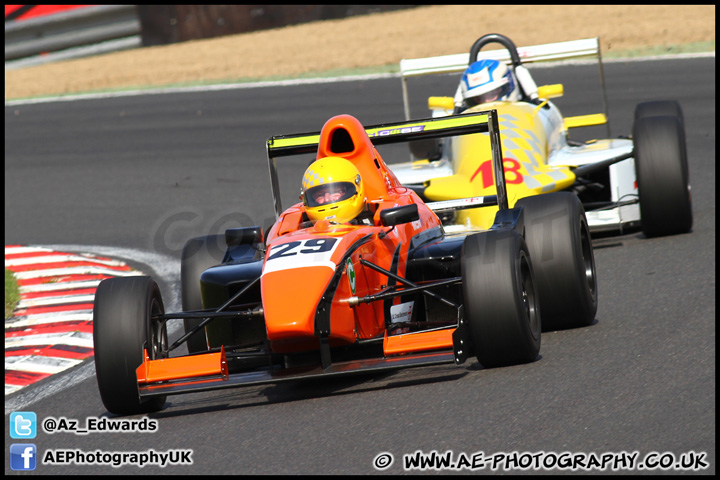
{"points": [[314, 245], [312, 252], [510, 165]]}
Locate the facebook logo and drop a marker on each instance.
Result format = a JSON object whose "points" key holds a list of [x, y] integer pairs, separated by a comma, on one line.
{"points": [[23, 456], [23, 425]]}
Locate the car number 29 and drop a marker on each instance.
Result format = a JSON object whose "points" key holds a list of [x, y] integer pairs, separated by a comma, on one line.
{"points": [[314, 251], [314, 245]]}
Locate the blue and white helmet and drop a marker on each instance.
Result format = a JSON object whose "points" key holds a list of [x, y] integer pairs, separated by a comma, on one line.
{"points": [[487, 81]]}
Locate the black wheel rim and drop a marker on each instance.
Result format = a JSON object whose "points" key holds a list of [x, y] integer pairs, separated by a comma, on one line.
{"points": [[529, 299], [587, 254], [157, 336]]}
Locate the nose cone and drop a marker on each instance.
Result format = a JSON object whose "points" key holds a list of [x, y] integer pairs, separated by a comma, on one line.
{"points": [[290, 298]]}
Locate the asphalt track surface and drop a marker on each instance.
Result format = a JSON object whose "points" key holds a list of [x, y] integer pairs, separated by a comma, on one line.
{"points": [[145, 173]]}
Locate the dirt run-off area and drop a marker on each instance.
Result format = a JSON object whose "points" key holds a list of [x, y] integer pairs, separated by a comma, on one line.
{"points": [[364, 43]]}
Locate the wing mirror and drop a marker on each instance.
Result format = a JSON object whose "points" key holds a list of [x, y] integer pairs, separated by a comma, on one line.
{"points": [[399, 215], [441, 103], [243, 236], [550, 91]]}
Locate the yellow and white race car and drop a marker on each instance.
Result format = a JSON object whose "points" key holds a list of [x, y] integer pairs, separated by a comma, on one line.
{"points": [[622, 182]]}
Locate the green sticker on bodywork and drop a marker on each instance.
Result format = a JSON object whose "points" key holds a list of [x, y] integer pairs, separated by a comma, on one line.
{"points": [[351, 275]]}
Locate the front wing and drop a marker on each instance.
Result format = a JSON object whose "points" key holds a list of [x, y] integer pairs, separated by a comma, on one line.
{"points": [[276, 375]]}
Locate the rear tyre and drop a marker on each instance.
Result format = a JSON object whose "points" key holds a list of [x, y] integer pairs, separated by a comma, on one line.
{"points": [[558, 239], [500, 300], [123, 328], [659, 108], [198, 255], [662, 176]]}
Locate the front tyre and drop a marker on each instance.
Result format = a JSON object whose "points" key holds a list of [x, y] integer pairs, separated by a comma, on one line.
{"points": [[123, 328], [500, 299]]}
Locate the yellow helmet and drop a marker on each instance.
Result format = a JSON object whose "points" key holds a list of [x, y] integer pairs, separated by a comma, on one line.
{"points": [[332, 189]]}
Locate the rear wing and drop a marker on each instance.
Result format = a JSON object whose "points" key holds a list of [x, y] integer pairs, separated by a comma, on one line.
{"points": [[550, 52], [429, 128]]}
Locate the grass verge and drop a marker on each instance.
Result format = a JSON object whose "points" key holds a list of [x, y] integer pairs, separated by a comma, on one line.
{"points": [[12, 293]]}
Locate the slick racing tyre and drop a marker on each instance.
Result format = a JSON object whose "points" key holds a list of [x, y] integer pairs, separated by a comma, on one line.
{"points": [[661, 169], [500, 300], [123, 328], [659, 108], [558, 239], [198, 255]]}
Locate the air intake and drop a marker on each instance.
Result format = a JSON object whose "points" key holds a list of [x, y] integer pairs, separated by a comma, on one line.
{"points": [[341, 142]]}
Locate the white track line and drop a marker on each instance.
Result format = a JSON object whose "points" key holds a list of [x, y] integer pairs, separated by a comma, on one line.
{"points": [[40, 364], [11, 250], [39, 260], [83, 270], [52, 317], [71, 339], [58, 300], [52, 287]]}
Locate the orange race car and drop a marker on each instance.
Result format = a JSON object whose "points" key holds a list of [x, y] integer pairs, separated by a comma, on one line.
{"points": [[359, 276]]}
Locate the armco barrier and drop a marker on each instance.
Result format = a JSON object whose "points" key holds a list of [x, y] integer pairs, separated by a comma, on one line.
{"points": [[74, 28], [107, 28], [23, 12]]}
